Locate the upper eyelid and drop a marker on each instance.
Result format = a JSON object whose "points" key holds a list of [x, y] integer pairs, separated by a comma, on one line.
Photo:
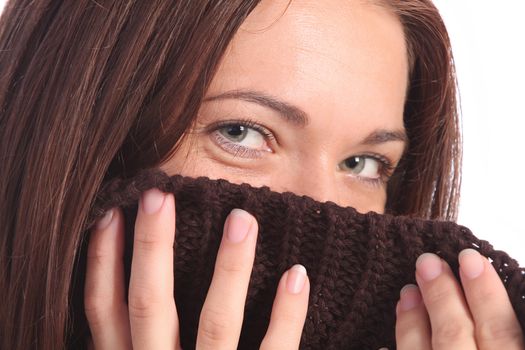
{"points": [[267, 133], [379, 157]]}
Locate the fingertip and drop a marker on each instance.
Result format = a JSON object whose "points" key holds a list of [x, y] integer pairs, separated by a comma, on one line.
{"points": [[289, 310], [238, 226], [296, 279], [410, 298], [170, 197], [152, 201], [105, 238], [170, 204], [243, 215], [105, 220], [412, 321], [429, 266], [471, 263]]}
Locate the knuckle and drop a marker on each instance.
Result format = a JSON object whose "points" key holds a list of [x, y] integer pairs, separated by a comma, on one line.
{"points": [[95, 309], [214, 326], [231, 266], [438, 294], [97, 251], [141, 305], [147, 241], [450, 332], [290, 318], [496, 330]]}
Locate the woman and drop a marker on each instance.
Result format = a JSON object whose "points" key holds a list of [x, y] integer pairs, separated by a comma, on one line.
{"points": [[330, 99]]}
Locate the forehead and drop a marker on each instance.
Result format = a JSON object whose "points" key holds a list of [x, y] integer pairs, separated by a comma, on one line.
{"points": [[330, 57]]}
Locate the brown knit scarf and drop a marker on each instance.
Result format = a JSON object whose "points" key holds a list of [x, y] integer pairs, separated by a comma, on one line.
{"points": [[357, 263]]}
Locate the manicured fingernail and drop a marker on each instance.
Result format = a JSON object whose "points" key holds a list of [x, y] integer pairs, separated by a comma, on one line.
{"points": [[429, 266], [152, 201], [296, 279], [471, 263], [104, 222], [239, 223], [410, 297]]}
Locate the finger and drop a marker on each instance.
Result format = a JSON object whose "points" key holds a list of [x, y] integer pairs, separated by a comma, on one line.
{"points": [[222, 314], [451, 323], [289, 311], [104, 293], [153, 316], [412, 324], [495, 321]]}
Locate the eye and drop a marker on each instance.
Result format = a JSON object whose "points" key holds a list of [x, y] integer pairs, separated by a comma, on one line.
{"points": [[366, 167], [243, 135], [245, 138]]}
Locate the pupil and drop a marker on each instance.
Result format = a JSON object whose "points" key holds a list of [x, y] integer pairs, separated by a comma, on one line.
{"points": [[236, 130], [353, 162]]}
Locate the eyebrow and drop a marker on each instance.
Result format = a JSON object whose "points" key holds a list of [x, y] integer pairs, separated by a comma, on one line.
{"points": [[298, 117], [290, 113], [383, 136]]}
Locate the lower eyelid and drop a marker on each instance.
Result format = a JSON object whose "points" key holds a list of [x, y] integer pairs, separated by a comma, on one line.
{"points": [[234, 149], [376, 183]]}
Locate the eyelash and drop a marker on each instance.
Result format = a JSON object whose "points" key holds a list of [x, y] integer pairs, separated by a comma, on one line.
{"points": [[386, 166], [386, 169], [237, 150]]}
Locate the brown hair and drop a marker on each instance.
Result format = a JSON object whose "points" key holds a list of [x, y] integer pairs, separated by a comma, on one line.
{"points": [[91, 90]]}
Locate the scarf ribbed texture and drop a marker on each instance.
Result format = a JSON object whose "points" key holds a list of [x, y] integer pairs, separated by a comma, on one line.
{"points": [[357, 263]]}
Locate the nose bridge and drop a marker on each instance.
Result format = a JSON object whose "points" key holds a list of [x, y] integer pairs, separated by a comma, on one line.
{"points": [[314, 177]]}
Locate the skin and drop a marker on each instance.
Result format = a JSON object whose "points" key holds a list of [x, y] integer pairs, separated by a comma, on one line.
{"points": [[344, 66]]}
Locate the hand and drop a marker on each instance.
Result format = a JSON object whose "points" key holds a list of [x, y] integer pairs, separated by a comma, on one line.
{"points": [[439, 315], [149, 320]]}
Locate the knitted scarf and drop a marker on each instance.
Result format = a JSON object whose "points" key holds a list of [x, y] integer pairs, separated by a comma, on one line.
{"points": [[356, 263]]}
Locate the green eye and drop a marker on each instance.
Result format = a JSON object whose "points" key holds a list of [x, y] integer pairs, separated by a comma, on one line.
{"points": [[235, 133], [242, 138], [238, 133], [363, 166]]}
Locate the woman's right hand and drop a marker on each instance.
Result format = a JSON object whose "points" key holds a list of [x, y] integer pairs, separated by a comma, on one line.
{"points": [[149, 319]]}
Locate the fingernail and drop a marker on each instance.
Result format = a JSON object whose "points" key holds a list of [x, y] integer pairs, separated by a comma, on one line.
{"points": [[429, 266], [471, 263], [410, 297], [152, 201], [239, 223], [295, 279], [104, 222]]}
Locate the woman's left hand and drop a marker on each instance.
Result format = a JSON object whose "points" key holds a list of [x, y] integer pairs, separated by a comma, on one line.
{"points": [[439, 314]]}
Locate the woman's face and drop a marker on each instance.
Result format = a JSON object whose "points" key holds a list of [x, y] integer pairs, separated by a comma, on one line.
{"points": [[309, 99]]}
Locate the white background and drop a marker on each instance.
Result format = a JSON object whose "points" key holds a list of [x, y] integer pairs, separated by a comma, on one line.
{"points": [[488, 40]]}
